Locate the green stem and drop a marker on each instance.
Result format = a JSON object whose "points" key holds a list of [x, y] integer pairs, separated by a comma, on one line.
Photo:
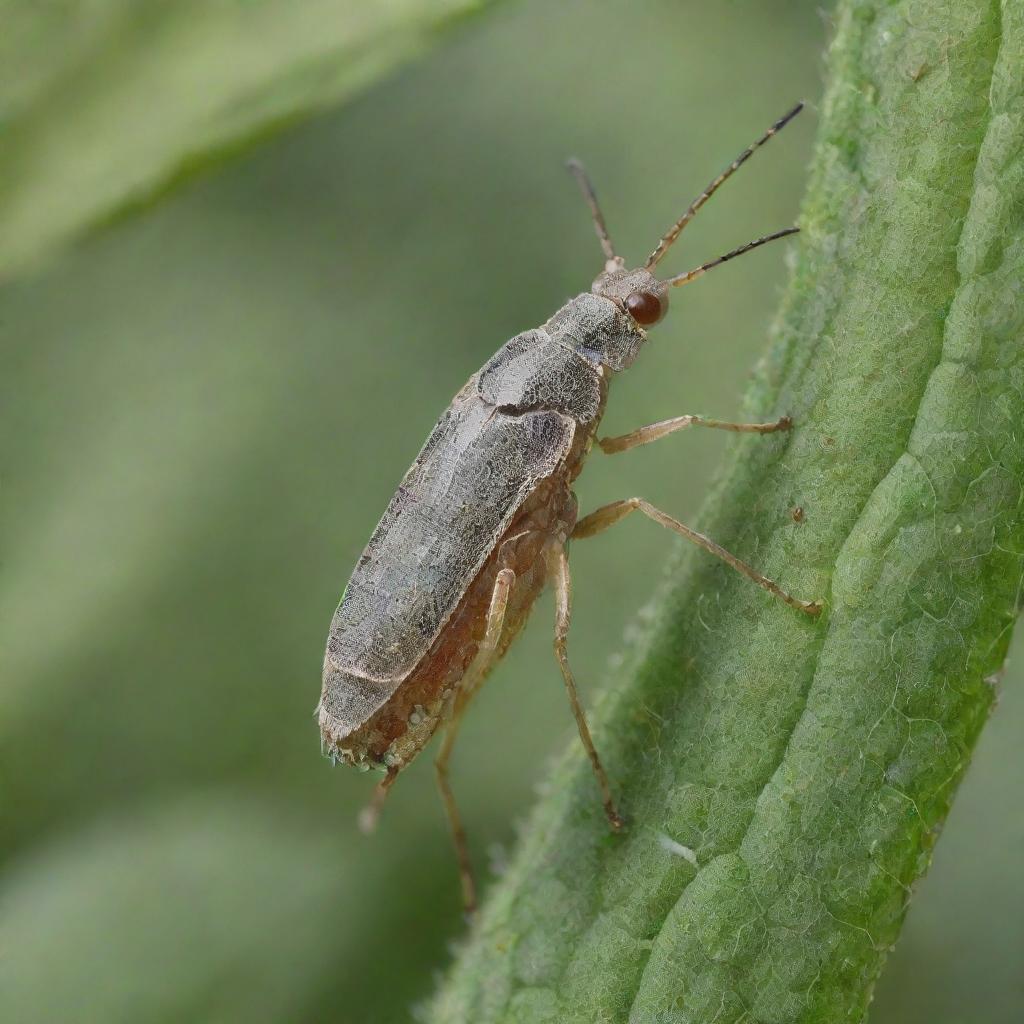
{"points": [[785, 779]]}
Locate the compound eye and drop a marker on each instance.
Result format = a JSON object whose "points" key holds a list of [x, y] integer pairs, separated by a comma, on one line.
{"points": [[644, 307]]}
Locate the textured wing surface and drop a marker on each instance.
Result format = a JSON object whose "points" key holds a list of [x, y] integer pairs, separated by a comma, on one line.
{"points": [[468, 482], [533, 371]]}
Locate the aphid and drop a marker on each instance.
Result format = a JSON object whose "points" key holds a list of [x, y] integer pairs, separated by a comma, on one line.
{"points": [[482, 520]]}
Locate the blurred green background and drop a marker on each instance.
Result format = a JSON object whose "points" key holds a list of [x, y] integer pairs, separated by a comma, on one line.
{"points": [[206, 408]]}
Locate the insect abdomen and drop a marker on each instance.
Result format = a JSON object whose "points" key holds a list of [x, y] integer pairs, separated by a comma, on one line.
{"points": [[440, 527], [404, 724]]}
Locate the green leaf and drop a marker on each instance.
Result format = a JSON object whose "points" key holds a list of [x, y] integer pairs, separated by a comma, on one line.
{"points": [[806, 767], [105, 103], [213, 909]]}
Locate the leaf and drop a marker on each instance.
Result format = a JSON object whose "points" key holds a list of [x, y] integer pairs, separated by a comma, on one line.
{"points": [[219, 906], [199, 909], [104, 104], [807, 766]]}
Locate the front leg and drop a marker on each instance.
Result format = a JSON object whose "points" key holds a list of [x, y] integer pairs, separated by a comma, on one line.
{"points": [[653, 431]]}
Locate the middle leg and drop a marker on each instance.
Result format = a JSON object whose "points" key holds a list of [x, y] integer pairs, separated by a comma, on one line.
{"points": [[558, 570]]}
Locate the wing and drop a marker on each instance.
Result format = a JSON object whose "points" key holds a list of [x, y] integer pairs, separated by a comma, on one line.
{"points": [[463, 490]]}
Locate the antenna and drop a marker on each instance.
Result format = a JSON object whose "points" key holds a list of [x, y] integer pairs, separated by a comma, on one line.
{"points": [[691, 275], [586, 187], [676, 230]]}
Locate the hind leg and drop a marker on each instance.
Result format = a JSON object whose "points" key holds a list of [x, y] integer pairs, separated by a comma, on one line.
{"points": [[485, 658], [370, 814], [558, 571], [609, 515]]}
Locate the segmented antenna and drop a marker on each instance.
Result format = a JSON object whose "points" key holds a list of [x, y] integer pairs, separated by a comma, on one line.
{"points": [[579, 172], [691, 275], [676, 230]]}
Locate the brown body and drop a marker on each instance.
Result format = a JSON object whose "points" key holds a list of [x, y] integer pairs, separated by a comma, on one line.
{"points": [[405, 724], [396, 733], [488, 491]]}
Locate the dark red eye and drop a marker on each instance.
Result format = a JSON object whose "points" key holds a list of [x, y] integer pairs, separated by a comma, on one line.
{"points": [[644, 307]]}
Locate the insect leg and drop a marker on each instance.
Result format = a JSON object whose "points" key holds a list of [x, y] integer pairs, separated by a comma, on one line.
{"points": [[654, 431], [558, 569], [481, 664], [370, 814], [609, 515]]}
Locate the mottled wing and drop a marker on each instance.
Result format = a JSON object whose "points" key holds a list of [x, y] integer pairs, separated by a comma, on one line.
{"points": [[534, 371], [463, 490]]}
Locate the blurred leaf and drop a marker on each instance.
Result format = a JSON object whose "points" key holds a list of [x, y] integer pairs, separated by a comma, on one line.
{"points": [[103, 103], [215, 907], [808, 766], [230, 898]]}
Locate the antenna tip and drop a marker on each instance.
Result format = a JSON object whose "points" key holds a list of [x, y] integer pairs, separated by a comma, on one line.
{"points": [[787, 117]]}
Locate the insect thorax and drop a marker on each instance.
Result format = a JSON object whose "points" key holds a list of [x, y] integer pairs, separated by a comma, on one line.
{"points": [[596, 328]]}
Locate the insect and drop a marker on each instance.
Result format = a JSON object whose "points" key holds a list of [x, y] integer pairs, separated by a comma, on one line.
{"points": [[482, 520]]}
